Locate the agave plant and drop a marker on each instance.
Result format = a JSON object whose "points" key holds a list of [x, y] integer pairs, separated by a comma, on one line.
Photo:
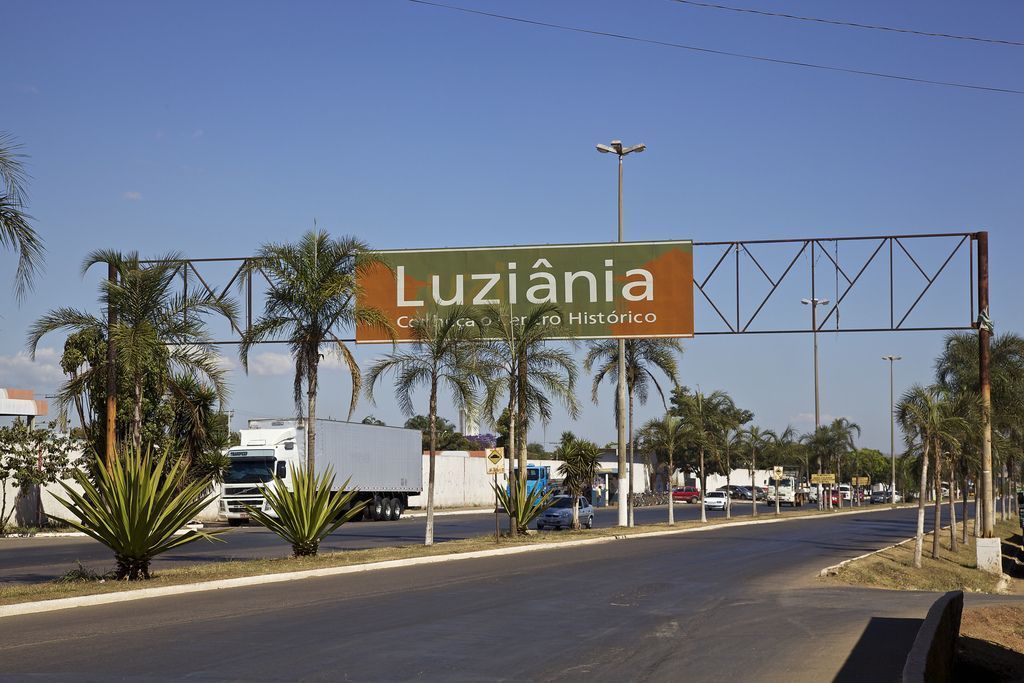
{"points": [[522, 507], [136, 507], [308, 512]]}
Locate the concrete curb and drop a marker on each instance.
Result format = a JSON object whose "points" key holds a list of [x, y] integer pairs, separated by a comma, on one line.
{"points": [[37, 607], [934, 650], [79, 534]]}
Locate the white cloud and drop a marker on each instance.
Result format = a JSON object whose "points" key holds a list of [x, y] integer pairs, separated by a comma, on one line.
{"points": [[271, 363], [132, 196], [275, 363], [808, 418], [21, 372]]}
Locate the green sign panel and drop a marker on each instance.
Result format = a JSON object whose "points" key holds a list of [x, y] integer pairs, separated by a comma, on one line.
{"points": [[629, 289]]}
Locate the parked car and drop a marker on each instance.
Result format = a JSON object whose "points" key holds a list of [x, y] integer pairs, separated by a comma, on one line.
{"points": [[883, 497], [733, 490], [559, 515], [762, 493], [744, 493], [716, 500], [686, 494]]}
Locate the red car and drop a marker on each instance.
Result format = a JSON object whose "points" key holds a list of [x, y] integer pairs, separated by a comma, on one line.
{"points": [[686, 494]]}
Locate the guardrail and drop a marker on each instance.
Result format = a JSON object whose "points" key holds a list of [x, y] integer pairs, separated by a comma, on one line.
{"points": [[931, 658]]}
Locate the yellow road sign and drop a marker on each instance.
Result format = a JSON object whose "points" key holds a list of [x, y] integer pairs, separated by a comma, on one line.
{"points": [[862, 481], [495, 456], [823, 478]]}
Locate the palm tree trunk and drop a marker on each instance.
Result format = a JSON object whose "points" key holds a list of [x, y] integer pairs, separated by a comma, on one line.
{"points": [[979, 508], [728, 489], [431, 465], [937, 512], [510, 445], [703, 487], [753, 484], [963, 506], [671, 473], [311, 389], [919, 541], [137, 416], [521, 409], [631, 505], [952, 507], [575, 509]]}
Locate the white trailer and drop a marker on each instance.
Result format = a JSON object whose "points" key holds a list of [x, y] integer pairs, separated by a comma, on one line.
{"points": [[384, 464]]}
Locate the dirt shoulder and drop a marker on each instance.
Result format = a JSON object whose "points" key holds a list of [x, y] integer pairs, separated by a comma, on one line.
{"points": [[991, 644], [893, 568]]}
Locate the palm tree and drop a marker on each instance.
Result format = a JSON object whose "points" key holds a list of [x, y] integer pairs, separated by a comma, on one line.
{"points": [[313, 294], [703, 417], [756, 439], [956, 370], [443, 355], [925, 418], [578, 469], [643, 357], [841, 433], [519, 364], [15, 232], [666, 435], [159, 334]]}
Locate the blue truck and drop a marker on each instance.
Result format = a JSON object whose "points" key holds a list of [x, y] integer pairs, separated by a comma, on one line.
{"points": [[537, 477]]}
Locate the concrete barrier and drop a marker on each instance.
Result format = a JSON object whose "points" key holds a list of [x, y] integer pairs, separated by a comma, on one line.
{"points": [[931, 658]]}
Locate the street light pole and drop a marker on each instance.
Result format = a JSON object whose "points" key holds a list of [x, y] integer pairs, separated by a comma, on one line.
{"points": [[814, 303], [892, 427], [892, 423], [624, 503]]}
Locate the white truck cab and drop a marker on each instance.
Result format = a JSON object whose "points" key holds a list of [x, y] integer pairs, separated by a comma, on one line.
{"points": [[264, 453]]}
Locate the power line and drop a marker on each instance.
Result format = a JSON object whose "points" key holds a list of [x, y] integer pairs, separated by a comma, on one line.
{"points": [[724, 53], [850, 24]]}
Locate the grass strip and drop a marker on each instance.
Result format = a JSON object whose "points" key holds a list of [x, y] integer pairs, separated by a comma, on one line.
{"points": [[893, 568]]}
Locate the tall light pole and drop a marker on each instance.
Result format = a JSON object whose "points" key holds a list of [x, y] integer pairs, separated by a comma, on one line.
{"points": [[892, 427], [814, 303], [625, 518]]}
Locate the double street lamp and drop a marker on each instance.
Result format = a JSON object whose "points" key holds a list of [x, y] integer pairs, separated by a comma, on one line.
{"points": [[892, 426], [625, 504], [814, 303]]}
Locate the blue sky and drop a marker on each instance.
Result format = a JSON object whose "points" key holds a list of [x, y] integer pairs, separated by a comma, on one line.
{"points": [[209, 128]]}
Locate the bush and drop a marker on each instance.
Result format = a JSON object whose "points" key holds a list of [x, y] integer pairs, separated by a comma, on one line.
{"points": [[309, 512], [523, 507], [135, 508]]}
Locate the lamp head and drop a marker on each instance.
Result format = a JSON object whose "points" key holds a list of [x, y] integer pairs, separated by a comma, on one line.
{"points": [[605, 149]]}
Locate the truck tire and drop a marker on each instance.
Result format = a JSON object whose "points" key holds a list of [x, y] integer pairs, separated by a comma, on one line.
{"points": [[237, 522], [377, 508], [396, 509], [386, 509]]}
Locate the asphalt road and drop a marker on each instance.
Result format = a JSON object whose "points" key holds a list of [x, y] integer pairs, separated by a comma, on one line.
{"points": [[736, 603], [29, 560]]}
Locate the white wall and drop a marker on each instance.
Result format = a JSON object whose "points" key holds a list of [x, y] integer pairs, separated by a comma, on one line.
{"points": [[461, 480]]}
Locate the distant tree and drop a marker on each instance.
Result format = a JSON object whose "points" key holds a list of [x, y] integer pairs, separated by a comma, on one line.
{"points": [[448, 437], [371, 420], [536, 450], [30, 458], [479, 442]]}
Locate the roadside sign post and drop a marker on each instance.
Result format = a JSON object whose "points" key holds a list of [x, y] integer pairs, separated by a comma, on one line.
{"points": [[495, 456], [824, 478]]}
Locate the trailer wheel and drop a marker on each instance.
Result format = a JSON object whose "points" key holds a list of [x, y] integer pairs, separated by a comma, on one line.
{"points": [[376, 507], [396, 509], [386, 509]]}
